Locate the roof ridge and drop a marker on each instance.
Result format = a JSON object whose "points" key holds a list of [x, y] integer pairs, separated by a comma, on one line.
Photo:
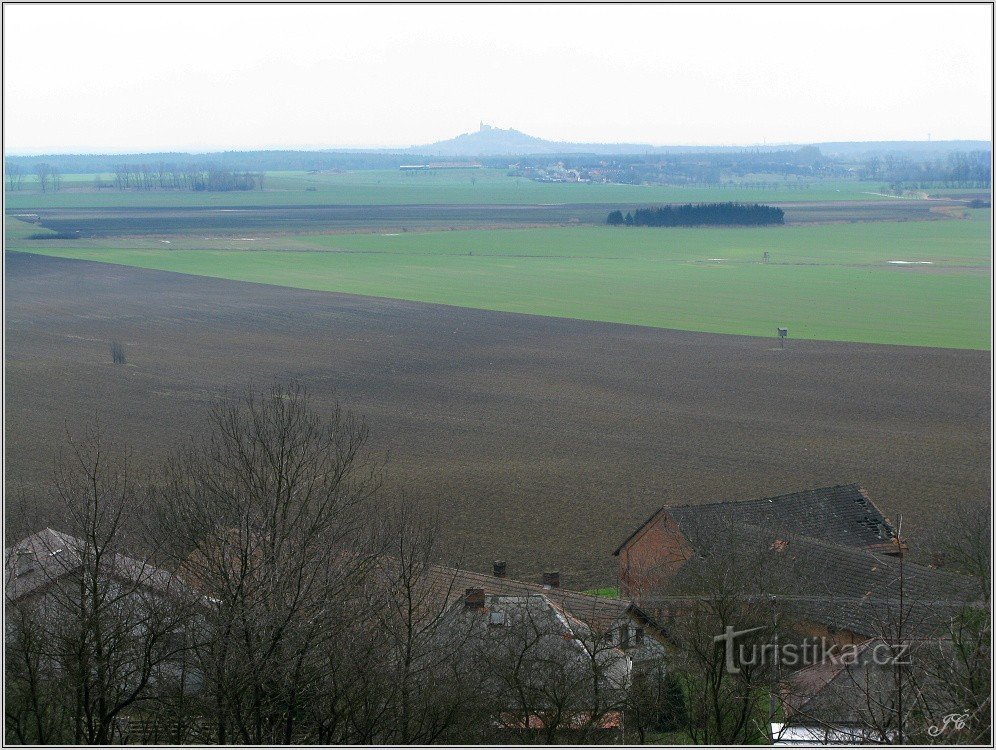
{"points": [[761, 499], [770, 498], [537, 587]]}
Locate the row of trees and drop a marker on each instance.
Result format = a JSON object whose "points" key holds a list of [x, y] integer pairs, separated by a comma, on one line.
{"points": [[961, 169], [700, 214], [145, 176], [46, 176], [164, 176]]}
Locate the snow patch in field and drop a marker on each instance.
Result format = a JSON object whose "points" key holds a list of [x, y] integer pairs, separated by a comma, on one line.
{"points": [[911, 262]]}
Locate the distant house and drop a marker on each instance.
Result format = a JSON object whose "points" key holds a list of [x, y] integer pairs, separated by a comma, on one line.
{"points": [[843, 515], [620, 620], [54, 584], [440, 165], [540, 669], [35, 565]]}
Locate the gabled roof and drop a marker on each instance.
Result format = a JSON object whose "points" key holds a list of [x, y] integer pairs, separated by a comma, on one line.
{"points": [[49, 555], [842, 514]]}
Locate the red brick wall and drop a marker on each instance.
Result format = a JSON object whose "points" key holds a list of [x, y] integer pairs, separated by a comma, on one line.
{"points": [[650, 558]]}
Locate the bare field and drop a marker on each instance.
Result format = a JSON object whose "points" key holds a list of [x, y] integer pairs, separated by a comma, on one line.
{"points": [[543, 441]]}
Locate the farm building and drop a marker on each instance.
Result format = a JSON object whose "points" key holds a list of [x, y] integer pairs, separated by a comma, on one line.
{"points": [[827, 559], [37, 565], [843, 515], [59, 591]]}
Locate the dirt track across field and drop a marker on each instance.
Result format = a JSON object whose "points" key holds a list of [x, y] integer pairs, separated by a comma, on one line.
{"points": [[544, 441]]}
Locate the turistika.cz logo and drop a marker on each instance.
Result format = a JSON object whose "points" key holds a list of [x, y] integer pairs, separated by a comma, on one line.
{"points": [[807, 652]]}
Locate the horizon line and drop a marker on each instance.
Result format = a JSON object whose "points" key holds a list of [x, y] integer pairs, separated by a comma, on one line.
{"points": [[201, 150]]}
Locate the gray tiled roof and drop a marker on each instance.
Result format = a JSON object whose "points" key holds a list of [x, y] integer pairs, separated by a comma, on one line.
{"points": [[532, 633], [842, 514], [49, 555], [844, 587], [796, 564], [595, 611]]}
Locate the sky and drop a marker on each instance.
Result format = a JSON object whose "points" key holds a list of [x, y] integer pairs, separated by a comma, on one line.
{"points": [[128, 78]]}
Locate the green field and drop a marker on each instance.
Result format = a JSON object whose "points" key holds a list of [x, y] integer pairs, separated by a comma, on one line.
{"points": [[392, 187], [830, 282]]}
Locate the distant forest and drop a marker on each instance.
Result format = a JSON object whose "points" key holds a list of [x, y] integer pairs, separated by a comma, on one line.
{"points": [[700, 214], [896, 170]]}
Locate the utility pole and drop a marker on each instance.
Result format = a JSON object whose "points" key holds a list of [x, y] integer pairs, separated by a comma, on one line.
{"points": [[777, 675]]}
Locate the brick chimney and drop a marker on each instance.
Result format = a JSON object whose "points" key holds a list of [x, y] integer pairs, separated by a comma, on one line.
{"points": [[551, 580], [474, 599], [498, 569]]}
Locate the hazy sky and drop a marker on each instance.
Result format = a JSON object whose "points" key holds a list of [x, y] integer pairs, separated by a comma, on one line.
{"points": [[130, 78]]}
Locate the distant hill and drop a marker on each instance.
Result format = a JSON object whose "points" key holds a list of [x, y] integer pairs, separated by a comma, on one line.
{"points": [[491, 141]]}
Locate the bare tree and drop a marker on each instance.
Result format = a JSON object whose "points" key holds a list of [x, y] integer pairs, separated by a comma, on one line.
{"points": [[926, 676], [118, 353], [43, 173], [264, 515], [725, 631], [95, 631], [14, 174]]}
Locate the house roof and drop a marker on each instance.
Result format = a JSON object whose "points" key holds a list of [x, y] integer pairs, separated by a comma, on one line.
{"points": [[595, 611], [515, 634], [843, 514], [844, 587], [49, 555], [793, 563], [800, 689]]}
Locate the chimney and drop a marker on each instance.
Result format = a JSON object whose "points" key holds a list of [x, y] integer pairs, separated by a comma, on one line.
{"points": [[498, 569], [551, 580], [474, 599]]}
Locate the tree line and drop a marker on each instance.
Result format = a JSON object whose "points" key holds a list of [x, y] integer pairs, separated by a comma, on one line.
{"points": [[699, 214], [143, 176], [164, 176], [959, 169]]}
